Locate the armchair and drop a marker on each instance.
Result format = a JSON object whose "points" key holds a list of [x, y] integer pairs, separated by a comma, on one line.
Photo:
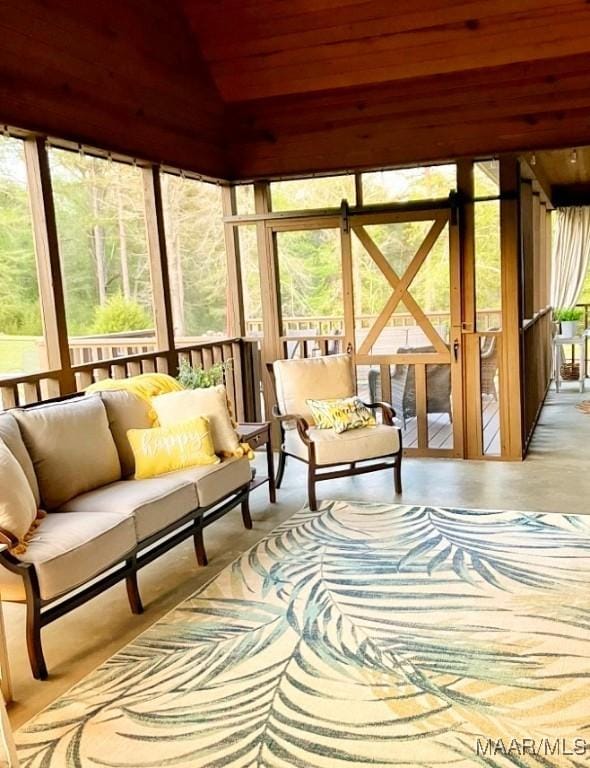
{"points": [[403, 386], [329, 455]]}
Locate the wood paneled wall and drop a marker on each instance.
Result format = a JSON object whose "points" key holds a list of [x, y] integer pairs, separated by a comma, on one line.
{"points": [[124, 76]]}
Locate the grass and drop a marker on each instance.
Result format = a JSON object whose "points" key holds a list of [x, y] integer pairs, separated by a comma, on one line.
{"points": [[20, 354]]}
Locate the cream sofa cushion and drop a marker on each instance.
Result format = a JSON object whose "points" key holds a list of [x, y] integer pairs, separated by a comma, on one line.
{"points": [[212, 483], [125, 411], [319, 378], [71, 446], [175, 407], [10, 434], [355, 445], [69, 549], [153, 504], [18, 509]]}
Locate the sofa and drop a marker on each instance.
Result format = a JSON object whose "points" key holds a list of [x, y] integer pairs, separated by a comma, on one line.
{"points": [[102, 525]]}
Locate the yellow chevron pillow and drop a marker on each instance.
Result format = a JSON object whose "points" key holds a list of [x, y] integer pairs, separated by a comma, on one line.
{"points": [[341, 414], [165, 449]]}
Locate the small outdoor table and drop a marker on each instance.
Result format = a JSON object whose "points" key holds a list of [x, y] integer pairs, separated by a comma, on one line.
{"points": [[257, 435], [558, 343]]}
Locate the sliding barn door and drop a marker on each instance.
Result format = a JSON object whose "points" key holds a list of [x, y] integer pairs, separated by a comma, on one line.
{"points": [[402, 306]]}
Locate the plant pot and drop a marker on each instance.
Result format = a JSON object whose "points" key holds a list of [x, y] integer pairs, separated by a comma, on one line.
{"points": [[569, 328]]}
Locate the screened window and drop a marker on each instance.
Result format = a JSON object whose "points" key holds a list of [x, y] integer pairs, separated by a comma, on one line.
{"points": [[196, 257], [301, 194], [486, 178], [22, 344], [405, 184], [250, 280], [245, 199], [100, 218]]}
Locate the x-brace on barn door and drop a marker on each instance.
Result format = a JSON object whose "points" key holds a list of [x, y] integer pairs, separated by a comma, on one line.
{"points": [[402, 307]]}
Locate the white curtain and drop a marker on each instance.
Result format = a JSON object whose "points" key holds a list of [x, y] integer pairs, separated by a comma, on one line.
{"points": [[570, 255]]}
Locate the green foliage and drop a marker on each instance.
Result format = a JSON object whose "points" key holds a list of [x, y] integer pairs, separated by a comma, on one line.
{"points": [[120, 314], [196, 377], [20, 320], [103, 249], [572, 314]]}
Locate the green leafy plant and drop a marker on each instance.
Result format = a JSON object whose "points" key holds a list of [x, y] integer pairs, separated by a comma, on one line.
{"points": [[120, 314], [196, 377], [573, 314]]}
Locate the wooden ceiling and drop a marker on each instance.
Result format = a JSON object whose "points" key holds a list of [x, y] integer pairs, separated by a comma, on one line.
{"points": [[567, 172], [256, 49], [122, 75], [248, 89], [563, 167]]}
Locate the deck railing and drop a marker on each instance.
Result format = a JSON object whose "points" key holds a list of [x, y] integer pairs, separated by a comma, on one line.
{"points": [[242, 375], [334, 325]]}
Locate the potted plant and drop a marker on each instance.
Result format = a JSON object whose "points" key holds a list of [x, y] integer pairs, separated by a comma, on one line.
{"points": [[569, 319], [196, 377]]}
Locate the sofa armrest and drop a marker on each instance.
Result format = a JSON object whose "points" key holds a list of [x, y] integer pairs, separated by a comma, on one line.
{"points": [[386, 409], [301, 423]]}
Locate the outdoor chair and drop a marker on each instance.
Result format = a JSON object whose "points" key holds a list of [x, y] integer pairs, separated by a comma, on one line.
{"points": [[489, 366], [403, 386], [329, 455]]}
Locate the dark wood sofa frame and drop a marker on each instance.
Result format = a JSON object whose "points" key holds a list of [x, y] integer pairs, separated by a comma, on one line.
{"points": [[389, 461], [42, 612]]}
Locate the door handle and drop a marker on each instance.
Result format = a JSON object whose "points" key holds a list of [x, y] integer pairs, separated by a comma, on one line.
{"points": [[456, 349]]}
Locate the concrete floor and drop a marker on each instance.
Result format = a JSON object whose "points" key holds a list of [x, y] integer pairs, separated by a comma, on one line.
{"points": [[554, 478]]}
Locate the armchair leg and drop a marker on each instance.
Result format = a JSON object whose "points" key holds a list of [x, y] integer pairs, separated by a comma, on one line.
{"points": [[313, 503], [397, 475], [34, 647], [281, 468], [245, 505], [133, 589], [200, 543]]}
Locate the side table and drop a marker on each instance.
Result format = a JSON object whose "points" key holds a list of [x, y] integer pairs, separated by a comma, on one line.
{"points": [[558, 343], [256, 435]]}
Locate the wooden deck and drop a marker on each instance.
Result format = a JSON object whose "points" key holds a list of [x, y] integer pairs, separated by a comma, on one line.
{"points": [[440, 429]]}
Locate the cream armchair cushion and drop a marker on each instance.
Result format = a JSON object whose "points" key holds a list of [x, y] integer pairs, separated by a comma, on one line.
{"points": [[318, 378], [355, 445]]}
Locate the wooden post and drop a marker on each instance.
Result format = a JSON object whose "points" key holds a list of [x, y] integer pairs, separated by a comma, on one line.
{"points": [[270, 295], [473, 439], [511, 395], [528, 249], [51, 291], [156, 239], [236, 321]]}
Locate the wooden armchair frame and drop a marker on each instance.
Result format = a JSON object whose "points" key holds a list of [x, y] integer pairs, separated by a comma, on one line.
{"points": [[317, 472]]}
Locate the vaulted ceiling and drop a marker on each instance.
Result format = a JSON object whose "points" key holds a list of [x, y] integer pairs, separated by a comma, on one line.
{"points": [[256, 88]]}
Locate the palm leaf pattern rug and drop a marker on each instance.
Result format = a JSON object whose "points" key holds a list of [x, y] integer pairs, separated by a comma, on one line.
{"points": [[362, 634]]}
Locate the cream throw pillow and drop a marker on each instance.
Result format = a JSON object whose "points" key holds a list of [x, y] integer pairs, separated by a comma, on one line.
{"points": [[18, 509], [175, 407], [72, 448]]}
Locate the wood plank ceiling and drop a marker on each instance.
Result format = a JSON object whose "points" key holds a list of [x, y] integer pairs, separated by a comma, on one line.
{"points": [[322, 85], [257, 88]]}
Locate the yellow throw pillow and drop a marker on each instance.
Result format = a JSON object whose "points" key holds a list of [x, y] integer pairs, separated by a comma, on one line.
{"points": [[174, 407], [341, 414], [165, 449]]}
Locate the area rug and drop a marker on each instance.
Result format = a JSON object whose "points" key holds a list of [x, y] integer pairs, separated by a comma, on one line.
{"points": [[362, 634]]}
